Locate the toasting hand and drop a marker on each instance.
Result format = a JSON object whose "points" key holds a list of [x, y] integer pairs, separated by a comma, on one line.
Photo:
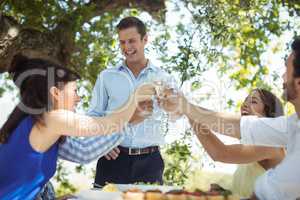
{"points": [[172, 101], [143, 111]]}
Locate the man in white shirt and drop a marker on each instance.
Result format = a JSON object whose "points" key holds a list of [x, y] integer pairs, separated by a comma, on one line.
{"points": [[282, 182]]}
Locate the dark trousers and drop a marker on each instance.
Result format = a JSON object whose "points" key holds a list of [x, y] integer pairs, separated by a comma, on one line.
{"points": [[126, 169]]}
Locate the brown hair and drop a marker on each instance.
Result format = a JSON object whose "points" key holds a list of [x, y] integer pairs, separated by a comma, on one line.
{"points": [[296, 61], [129, 22], [272, 105], [34, 77]]}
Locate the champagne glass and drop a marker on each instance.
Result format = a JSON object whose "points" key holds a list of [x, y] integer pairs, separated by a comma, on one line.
{"points": [[161, 81], [158, 79]]}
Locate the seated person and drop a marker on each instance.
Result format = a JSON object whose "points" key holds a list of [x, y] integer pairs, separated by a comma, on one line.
{"points": [[253, 160], [281, 182]]}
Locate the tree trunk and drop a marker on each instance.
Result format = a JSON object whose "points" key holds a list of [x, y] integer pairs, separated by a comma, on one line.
{"points": [[29, 42], [58, 45]]}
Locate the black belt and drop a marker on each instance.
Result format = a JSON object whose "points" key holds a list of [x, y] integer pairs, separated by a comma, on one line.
{"points": [[139, 151]]}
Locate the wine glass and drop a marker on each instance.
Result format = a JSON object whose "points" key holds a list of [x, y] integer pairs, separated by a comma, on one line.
{"points": [[161, 81]]}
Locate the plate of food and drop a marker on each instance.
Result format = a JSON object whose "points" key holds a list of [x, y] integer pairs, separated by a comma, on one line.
{"points": [[215, 193], [99, 195], [144, 188]]}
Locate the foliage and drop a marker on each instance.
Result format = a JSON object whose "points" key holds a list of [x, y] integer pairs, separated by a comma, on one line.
{"points": [[65, 187], [1, 91], [94, 45], [7, 85], [177, 166], [177, 158], [235, 34], [186, 61]]}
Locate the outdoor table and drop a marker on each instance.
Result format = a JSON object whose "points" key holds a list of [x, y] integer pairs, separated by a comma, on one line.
{"points": [[98, 194]]}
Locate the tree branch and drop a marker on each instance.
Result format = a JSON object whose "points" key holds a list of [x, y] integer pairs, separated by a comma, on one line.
{"points": [[14, 39], [156, 8], [1, 2], [58, 45], [66, 29]]}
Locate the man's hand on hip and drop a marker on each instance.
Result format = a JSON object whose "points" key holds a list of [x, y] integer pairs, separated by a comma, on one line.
{"points": [[113, 154]]}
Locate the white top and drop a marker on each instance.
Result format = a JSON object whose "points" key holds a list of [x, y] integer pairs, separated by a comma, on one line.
{"points": [[283, 181], [245, 175]]}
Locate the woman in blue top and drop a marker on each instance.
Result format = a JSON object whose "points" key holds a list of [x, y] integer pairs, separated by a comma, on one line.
{"points": [[45, 115]]}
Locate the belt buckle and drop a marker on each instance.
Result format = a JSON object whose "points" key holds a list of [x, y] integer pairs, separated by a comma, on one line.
{"points": [[135, 152]]}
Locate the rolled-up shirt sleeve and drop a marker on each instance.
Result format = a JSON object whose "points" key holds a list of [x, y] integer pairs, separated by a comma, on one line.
{"points": [[264, 131]]}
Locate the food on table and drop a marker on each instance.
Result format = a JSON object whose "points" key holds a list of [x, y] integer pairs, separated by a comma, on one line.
{"points": [[216, 192], [110, 188], [134, 194], [154, 195], [176, 195]]}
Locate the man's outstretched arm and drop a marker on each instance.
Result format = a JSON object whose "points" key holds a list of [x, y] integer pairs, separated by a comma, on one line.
{"points": [[85, 150]]}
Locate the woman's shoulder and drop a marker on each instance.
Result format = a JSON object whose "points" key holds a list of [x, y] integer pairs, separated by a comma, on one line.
{"points": [[22, 129], [27, 121]]}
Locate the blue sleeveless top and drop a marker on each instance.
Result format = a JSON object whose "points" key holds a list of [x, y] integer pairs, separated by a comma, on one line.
{"points": [[24, 171]]}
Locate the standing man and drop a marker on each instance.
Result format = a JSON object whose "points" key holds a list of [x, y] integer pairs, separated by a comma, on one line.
{"points": [[283, 181], [138, 158]]}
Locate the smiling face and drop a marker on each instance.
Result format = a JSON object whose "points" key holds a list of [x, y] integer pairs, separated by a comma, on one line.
{"points": [[132, 44], [253, 105]]}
